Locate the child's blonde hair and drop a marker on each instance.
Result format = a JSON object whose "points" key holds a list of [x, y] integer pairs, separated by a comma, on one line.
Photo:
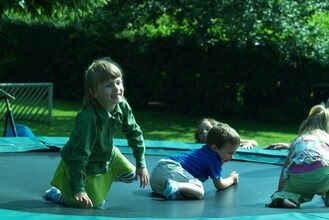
{"points": [[99, 71], [318, 118], [221, 134]]}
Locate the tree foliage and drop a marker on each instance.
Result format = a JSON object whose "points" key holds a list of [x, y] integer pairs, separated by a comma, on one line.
{"points": [[259, 59], [296, 28], [59, 11]]}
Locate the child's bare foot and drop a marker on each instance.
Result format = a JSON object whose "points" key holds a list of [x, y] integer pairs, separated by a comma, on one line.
{"points": [[288, 204]]}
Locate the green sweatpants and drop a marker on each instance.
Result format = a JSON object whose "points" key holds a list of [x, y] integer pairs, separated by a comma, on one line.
{"points": [[97, 187], [302, 187]]}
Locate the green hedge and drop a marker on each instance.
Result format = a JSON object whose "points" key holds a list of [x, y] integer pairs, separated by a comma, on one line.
{"points": [[221, 81]]}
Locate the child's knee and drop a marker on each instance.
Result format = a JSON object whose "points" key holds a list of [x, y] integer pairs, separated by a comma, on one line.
{"points": [[126, 178]]}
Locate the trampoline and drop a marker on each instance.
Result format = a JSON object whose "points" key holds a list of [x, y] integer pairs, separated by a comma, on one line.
{"points": [[28, 164]]}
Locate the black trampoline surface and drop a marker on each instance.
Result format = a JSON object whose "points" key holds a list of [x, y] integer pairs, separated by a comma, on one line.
{"points": [[25, 177]]}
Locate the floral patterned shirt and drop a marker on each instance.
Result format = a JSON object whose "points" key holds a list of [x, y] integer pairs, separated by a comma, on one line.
{"points": [[309, 148]]}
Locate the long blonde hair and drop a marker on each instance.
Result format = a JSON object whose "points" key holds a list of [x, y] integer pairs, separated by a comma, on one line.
{"points": [[99, 71], [318, 119]]}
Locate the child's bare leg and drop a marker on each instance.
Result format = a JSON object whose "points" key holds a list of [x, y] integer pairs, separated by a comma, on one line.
{"points": [[286, 203], [190, 190], [182, 190]]}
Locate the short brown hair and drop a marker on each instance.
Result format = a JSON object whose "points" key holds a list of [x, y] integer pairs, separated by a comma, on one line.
{"points": [[221, 134]]}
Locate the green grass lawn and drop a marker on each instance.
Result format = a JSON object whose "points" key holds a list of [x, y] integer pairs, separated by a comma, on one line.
{"points": [[164, 125]]}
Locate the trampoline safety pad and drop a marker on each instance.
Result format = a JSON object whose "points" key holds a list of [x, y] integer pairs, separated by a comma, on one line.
{"points": [[26, 175]]}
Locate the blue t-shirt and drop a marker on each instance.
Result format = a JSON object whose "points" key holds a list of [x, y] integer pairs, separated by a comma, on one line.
{"points": [[201, 163]]}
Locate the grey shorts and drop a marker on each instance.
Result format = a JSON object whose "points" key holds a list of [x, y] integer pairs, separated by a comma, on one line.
{"points": [[169, 169]]}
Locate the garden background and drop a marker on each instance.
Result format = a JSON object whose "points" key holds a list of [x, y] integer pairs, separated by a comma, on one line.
{"points": [[259, 65]]}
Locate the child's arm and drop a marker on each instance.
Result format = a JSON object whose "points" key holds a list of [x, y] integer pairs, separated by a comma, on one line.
{"points": [[277, 146], [134, 135], [282, 181], [135, 140], [221, 183]]}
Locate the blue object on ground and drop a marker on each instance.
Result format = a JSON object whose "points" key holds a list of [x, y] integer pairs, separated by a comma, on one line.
{"points": [[22, 131]]}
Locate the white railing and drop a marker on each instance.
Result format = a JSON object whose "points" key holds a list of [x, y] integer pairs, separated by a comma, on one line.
{"points": [[29, 101]]}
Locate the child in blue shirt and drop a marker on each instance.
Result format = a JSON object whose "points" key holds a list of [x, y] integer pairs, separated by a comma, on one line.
{"points": [[181, 176]]}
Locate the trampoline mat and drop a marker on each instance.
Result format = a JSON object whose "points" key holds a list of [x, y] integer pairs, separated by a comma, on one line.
{"points": [[25, 177]]}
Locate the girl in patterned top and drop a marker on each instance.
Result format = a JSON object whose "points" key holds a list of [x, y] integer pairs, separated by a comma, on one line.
{"points": [[306, 172]]}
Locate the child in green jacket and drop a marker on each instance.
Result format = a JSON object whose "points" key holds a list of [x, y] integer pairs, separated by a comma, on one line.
{"points": [[90, 163]]}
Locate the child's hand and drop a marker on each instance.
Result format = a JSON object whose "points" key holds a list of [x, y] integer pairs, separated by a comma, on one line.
{"points": [[83, 199], [143, 174], [235, 176], [249, 144]]}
